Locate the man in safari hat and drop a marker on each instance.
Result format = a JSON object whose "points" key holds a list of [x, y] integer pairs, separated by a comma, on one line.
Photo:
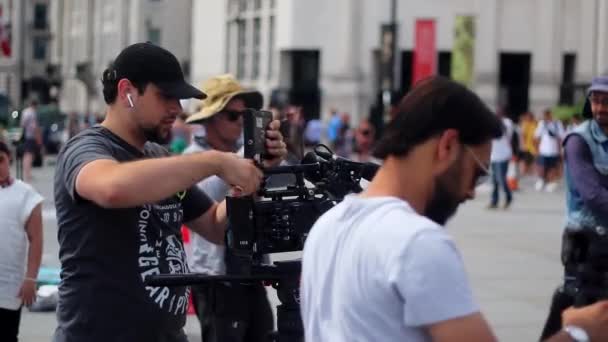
{"points": [[231, 312]]}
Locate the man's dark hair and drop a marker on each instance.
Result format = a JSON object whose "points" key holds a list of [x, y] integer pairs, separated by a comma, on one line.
{"points": [[433, 106], [4, 149], [110, 85]]}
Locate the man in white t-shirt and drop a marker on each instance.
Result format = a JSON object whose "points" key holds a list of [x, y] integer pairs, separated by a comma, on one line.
{"points": [[379, 266], [549, 134], [499, 162], [20, 226]]}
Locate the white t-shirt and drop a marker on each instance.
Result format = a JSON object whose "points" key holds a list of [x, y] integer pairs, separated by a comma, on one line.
{"points": [[375, 270], [501, 147], [16, 204], [29, 122], [549, 145]]}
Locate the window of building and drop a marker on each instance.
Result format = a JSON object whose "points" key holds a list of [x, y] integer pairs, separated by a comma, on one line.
{"points": [[241, 48], [39, 48], [255, 69], [229, 40], [40, 17], [154, 35], [247, 36]]}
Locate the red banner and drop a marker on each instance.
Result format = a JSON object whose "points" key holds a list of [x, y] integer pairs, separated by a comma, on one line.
{"points": [[425, 51]]}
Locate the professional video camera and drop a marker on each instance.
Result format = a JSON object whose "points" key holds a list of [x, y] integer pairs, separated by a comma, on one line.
{"points": [[278, 220]]}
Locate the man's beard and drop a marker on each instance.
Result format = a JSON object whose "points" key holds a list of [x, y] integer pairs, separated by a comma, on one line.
{"points": [[155, 135], [444, 203]]}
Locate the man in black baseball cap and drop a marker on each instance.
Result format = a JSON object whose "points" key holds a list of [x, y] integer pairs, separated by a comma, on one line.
{"points": [[148, 63], [121, 202], [151, 83]]}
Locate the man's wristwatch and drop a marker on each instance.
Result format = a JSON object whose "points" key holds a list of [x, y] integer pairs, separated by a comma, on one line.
{"points": [[578, 334]]}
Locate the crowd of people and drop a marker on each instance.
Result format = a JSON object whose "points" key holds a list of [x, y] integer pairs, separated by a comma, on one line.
{"points": [[125, 188]]}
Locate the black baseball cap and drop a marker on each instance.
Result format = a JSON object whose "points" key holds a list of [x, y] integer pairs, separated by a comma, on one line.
{"points": [[146, 62]]}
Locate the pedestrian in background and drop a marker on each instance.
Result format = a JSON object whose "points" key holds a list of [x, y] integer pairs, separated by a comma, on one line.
{"points": [[31, 138], [502, 152], [549, 134], [20, 246], [529, 149]]}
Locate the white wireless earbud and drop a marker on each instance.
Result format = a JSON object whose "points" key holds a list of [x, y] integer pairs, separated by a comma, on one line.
{"points": [[130, 101]]}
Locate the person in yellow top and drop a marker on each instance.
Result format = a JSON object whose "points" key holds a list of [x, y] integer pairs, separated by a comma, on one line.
{"points": [[529, 148]]}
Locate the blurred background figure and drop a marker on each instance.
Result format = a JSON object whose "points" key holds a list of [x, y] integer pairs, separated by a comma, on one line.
{"points": [[528, 148], [333, 127], [365, 137], [549, 134], [575, 120], [343, 145], [502, 151], [181, 135], [313, 132], [292, 128], [74, 126], [31, 138]]}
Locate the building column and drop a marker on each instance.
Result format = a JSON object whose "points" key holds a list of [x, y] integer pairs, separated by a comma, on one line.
{"points": [[546, 64], [586, 55], [485, 65], [343, 85], [601, 43]]}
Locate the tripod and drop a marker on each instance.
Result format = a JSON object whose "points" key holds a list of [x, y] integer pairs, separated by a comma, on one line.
{"points": [[284, 276]]}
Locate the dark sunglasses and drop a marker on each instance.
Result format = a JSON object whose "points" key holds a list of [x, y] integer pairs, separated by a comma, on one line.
{"points": [[366, 132], [232, 115]]}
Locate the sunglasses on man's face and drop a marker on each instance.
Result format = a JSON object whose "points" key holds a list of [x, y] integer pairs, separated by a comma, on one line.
{"points": [[232, 115], [598, 99], [366, 132]]}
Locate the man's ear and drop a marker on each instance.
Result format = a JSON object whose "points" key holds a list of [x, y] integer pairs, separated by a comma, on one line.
{"points": [[448, 149], [124, 88]]}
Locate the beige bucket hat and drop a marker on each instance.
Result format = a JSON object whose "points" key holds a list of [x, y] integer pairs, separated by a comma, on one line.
{"points": [[220, 90]]}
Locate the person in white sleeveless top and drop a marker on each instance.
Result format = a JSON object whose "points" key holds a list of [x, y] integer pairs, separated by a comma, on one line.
{"points": [[20, 246]]}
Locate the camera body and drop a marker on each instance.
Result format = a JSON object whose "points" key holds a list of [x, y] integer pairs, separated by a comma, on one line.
{"points": [[271, 225], [278, 219]]}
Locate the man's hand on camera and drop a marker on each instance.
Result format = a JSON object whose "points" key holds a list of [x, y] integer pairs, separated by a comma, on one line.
{"points": [[240, 173], [592, 318], [277, 150]]}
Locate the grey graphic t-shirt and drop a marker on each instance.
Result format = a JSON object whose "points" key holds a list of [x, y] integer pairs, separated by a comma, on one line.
{"points": [[107, 253]]}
